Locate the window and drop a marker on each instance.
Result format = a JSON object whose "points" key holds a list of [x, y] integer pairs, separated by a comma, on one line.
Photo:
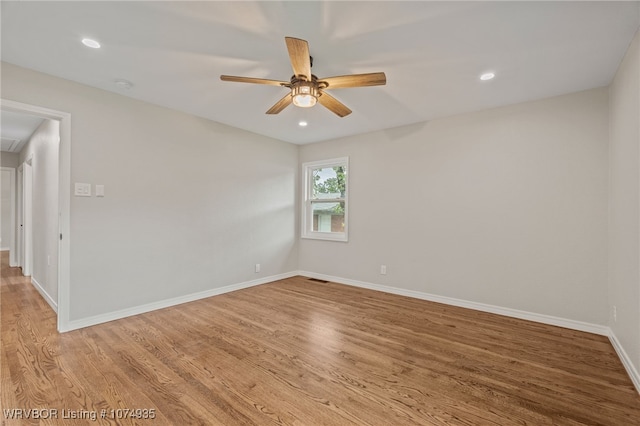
{"points": [[324, 213]]}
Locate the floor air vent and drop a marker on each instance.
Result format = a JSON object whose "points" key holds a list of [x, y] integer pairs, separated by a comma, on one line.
{"points": [[316, 280]]}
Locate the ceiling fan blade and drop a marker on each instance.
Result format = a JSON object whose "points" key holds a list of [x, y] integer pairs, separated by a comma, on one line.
{"points": [[333, 105], [253, 80], [281, 104], [299, 56], [355, 80]]}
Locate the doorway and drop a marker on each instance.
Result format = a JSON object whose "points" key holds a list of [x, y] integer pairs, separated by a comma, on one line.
{"points": [[60, 217], [8, 213]]}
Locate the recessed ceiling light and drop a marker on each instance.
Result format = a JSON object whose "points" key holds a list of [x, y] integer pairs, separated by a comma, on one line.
{"points": [[91, 43], [302, 123], [487, 76]]}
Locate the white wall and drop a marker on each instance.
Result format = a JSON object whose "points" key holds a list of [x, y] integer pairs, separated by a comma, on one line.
{"points": [[5, 210], [190, 205], [506, 207], [624, 224], [42, 148]]}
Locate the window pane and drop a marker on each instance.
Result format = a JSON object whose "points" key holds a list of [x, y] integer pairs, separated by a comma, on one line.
{"points": [[328, 182], [328, 217]]}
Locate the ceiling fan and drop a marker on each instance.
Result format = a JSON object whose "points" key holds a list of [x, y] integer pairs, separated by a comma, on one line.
{"points": [[305, 88]]}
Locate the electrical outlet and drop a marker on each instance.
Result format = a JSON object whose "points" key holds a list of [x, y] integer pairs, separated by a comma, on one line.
{"points": [[383, 269], [257, 268], [615, 314]]}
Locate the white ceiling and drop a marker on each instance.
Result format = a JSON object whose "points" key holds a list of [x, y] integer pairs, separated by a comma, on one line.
{"points": [[16, 129], [431, 52]]}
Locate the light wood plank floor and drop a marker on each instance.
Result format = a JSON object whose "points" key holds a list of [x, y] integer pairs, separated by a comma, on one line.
{"points": [[303, 353]]}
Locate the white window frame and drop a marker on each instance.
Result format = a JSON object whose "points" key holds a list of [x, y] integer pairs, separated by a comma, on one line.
{"points": [[307, 210]]}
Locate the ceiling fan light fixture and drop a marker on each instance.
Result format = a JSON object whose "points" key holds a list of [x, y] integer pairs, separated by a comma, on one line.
{"points": [[304, 101], [304, 94]]}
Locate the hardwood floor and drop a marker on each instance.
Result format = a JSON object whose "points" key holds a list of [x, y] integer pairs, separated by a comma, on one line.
{"points": [[306, 353]]}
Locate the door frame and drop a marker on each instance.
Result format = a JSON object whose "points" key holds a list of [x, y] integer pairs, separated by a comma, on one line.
{"points": [[64, 201], [19, 217], [27, 216]]}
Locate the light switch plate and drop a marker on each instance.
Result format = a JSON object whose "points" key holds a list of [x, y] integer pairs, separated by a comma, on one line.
{"points": [[82, 190], [99, 190]]}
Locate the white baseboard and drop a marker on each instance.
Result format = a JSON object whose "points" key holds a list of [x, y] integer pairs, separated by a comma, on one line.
{"points": [[514, 313], [136, 310], [626, 361], [45, 295]]}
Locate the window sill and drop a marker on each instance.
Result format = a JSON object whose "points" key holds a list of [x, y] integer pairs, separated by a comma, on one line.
{"points": [[340, 237]]}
